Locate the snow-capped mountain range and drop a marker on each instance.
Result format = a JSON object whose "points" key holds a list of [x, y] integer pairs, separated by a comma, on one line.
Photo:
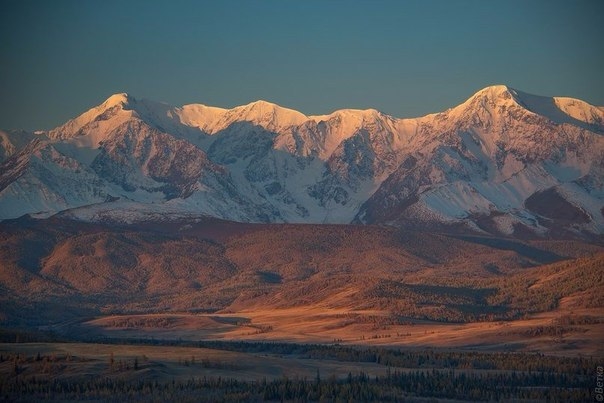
{"points": [[502, 162]]}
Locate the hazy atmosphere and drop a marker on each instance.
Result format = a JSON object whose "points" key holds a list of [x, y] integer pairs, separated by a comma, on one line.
{"points": [[406, 59]]}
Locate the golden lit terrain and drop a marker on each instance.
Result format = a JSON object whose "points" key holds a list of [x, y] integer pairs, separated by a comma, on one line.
{"points": [[365, 285]]}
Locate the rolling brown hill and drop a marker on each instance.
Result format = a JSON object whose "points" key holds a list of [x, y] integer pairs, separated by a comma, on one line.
{"points": [[59, 270]]}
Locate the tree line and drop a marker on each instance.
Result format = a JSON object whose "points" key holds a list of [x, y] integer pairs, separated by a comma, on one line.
{"points": [[395, 386]]}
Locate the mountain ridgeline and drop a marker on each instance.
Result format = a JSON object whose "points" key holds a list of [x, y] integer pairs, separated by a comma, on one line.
{"points": [[504, 162]]}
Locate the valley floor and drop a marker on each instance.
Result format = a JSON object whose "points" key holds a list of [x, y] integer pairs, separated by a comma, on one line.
{"points": [[307, 354], [558, 332]]}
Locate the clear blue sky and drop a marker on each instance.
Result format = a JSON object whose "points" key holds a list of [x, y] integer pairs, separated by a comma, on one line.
{"points": [[405, 58]]}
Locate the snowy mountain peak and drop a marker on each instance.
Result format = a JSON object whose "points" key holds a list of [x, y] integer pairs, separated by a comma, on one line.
{"points": [[502, 161], [262, 113], [580, 110], [261, 103], [264, 109], [496, 91], [496, 94], [559, 110], [495, 102], [200, 116], [98, 120], [353, 117], [119, 99]]}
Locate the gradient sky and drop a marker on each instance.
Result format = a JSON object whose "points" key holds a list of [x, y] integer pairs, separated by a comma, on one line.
{"points": [[405, 58]]}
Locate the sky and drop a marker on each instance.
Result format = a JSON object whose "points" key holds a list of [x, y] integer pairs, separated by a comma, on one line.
{"points": [[405, 58]]}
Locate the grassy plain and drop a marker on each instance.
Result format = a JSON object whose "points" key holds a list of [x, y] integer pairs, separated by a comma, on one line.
{"points": [[544, 332]]}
